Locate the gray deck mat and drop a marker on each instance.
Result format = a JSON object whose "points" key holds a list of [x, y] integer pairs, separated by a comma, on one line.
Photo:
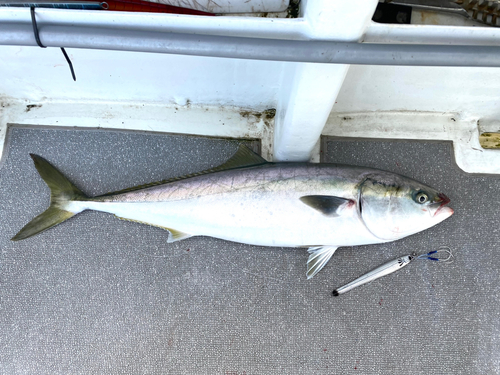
{"points": [[96, 295]]}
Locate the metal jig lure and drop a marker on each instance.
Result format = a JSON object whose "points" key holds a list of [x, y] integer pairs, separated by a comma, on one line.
{"points": [[393, 266]]}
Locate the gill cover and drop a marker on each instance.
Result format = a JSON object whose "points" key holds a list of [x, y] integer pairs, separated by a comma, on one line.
{"points": [[383, 211]]}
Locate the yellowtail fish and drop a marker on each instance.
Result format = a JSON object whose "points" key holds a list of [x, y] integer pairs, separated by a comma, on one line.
{"points": [[249, 200]]}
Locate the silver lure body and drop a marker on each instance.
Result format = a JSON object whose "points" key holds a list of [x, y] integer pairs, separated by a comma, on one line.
{"points": [[383, 270]]}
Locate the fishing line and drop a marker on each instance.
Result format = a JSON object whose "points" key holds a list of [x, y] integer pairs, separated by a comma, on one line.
{"points": [[395, 265]]}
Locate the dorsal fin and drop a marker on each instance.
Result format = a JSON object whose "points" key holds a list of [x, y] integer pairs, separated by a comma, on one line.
{"points": [[244, 157]]}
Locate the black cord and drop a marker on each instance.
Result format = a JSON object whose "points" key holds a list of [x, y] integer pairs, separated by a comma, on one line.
{"points": [[69, 63], [35, 27], [38, 41]]}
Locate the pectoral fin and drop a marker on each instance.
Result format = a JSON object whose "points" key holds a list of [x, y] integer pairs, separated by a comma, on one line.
{"points": [[318, 258], [328, 205]]}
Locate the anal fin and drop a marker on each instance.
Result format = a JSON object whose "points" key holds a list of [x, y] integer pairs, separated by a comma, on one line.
{"points": [[318, 258], [175, 235]]}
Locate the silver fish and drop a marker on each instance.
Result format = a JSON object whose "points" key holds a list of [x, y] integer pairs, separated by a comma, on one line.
{"points": [[248, 200]]}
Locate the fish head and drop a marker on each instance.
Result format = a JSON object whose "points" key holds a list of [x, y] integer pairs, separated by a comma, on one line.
{"points": [[393, 206]]}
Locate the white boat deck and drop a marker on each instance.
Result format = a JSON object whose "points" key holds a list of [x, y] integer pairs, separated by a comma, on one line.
{"points": [[188, 94]]}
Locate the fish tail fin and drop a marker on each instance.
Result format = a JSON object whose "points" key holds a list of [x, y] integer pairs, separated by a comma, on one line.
{"points": [[62, 193]]}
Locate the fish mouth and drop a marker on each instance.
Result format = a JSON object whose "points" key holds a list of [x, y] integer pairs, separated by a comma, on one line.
{"points": [[440, 205]]}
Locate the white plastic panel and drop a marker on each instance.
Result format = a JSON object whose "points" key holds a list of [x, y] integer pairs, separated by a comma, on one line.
{"points": [[147, 90], [427, 103], [472, 92], [463, 132], [211, 121], [310, 90], [43, 74]]}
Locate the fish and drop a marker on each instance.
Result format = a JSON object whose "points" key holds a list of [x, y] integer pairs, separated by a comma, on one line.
{"points": [[316, 206]]}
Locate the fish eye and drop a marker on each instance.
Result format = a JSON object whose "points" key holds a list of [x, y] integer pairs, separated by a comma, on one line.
{"points": [[421, 198]]}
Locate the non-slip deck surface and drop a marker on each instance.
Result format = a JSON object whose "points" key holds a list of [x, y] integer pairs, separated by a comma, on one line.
{"points": [[96, 295]]}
